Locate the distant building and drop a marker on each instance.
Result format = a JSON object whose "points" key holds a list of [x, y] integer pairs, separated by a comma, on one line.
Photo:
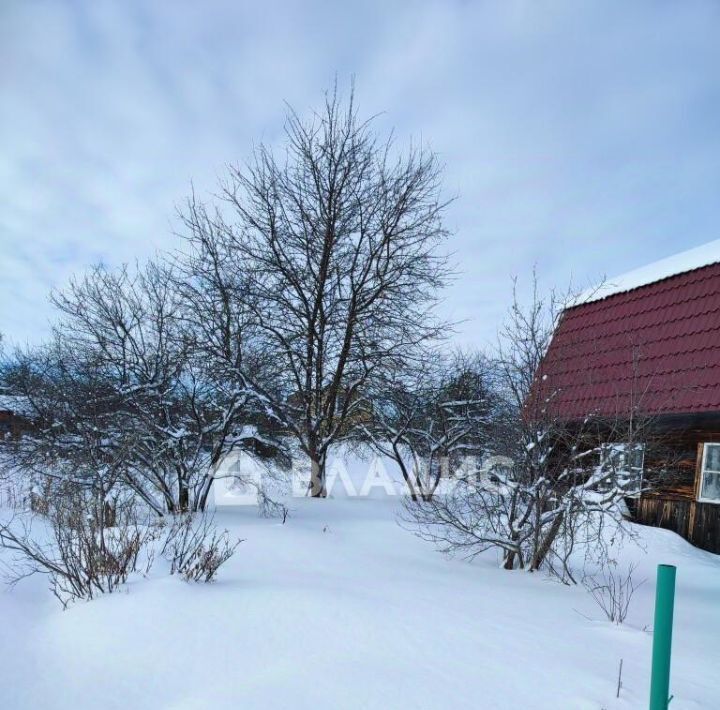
{"points": [[649, 344], [13, 415]]}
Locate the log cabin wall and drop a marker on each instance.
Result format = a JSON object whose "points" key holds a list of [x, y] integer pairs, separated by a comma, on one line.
{"points": [[673, 468], [698, 523], [647, 346]]}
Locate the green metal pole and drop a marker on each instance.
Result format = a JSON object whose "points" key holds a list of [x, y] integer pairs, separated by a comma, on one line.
{"points": [[662, 637]]}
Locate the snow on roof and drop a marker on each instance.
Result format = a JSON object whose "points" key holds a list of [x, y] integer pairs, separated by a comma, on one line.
{"points": [[689, 260]]}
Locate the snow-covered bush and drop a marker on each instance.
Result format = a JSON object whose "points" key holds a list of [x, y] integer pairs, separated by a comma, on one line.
{"points": [[196, 549], [612, 590], [73, 544]]}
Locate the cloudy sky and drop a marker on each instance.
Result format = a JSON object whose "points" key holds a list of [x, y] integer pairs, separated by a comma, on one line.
{"points": [[578, 136]]}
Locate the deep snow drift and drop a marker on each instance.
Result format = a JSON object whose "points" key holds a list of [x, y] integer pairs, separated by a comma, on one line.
{"points": [[343, 608]]}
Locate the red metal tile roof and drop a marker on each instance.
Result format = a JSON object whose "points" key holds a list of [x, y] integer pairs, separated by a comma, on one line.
{"points": [[655, 348]]}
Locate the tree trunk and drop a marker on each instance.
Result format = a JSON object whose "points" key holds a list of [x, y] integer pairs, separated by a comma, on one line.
{"points": [[108, 515], [543, 548], [317, 477], [184, 498], [513, 557], [406, 475], [201, 502]]}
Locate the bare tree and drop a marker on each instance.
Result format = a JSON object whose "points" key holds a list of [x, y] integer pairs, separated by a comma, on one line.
{"points": [[74, 436], [124, 396], [556, 480], [329, 254], [431, 416]]}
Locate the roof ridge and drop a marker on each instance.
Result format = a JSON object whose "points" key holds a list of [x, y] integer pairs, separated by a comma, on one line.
{"points": [[597, 295]]}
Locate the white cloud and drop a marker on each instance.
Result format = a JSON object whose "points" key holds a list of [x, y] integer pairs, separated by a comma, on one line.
{"points": [[581, 136]]}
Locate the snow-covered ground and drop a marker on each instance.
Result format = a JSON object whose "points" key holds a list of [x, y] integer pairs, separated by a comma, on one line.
{"points": [[343, 608]]}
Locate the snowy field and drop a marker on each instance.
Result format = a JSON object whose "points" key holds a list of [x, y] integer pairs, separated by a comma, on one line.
{"points": [[342, 608]]}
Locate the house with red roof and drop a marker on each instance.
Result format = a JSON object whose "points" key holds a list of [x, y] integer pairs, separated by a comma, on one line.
{"points": [[648, 345]]}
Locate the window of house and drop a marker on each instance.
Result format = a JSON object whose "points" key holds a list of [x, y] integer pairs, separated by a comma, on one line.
{"points": [[710, 483]]}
